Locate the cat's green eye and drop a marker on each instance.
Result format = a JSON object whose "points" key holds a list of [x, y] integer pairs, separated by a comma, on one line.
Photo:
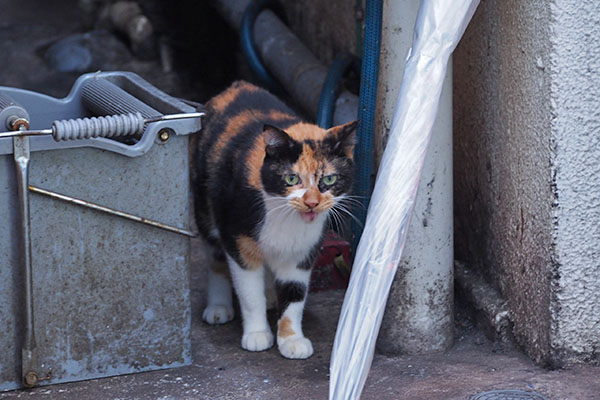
{"points": [[329, 179], [291, 179]]}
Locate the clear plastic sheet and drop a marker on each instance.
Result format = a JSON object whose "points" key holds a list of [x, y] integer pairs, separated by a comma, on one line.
{"points": [[439, 26]]}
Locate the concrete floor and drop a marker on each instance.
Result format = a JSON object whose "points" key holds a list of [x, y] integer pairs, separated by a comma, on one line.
{"points": [[222, 370]]}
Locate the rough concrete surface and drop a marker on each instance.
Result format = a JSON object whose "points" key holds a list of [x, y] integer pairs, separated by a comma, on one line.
{"points": [[526, 174], [575, 94], [502, 180], [222, 370], [419, 312]]}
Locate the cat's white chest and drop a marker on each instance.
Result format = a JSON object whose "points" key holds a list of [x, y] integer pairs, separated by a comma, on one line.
{"points": [[286, 239]]}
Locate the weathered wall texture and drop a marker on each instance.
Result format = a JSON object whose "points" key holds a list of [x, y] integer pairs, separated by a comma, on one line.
{"points": [[575, 96], [503, 194], [526, 183], [325, 27]]}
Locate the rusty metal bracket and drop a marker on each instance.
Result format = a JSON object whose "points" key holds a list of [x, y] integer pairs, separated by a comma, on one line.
{"points": [[111, 211]]}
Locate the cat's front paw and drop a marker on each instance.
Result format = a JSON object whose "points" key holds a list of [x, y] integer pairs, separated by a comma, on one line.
{"points": [[257, 341], [216, 314], [296, 347]]}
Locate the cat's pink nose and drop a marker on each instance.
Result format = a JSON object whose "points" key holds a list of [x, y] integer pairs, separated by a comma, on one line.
{"points": [[311, 203], [311, 198]]}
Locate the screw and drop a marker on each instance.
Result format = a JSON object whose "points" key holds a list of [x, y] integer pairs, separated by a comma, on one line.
{"points": [[164, 135], [31, 379]]}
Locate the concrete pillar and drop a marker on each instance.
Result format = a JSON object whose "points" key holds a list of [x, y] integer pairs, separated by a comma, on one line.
{"points": [[419, 311]]}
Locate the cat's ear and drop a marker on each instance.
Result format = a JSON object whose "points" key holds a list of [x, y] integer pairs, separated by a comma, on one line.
{"points": [[342, 138], [277, 142]]}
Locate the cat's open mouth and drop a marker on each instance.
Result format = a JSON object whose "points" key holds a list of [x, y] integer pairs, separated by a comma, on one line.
{"points": [[308, 216]]}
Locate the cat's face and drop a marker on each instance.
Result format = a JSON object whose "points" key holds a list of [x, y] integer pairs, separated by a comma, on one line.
{"points": [[308, 170]]}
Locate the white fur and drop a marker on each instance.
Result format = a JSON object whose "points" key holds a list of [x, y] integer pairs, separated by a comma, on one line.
{"points": [[285, 238], [250, 288], [219, 309], [295, 346]]}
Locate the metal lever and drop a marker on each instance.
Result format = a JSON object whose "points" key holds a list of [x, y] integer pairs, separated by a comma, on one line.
{"points": [[16, 118], [28, 351]]}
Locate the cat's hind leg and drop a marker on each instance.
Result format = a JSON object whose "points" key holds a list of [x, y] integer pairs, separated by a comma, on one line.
{"points": [[219, 304], [249, 285], [292, 287]]}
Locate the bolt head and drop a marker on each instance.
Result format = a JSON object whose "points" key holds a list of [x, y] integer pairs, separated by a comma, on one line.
{"points": [[31, 379], [164, 135]]}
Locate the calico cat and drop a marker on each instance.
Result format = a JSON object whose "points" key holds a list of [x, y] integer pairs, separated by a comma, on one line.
{"points": [[265, 183]]}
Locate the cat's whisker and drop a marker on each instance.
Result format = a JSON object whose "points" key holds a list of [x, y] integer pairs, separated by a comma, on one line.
{"points": [[352, 196], [336, 220], [351, 200], [346, 211], [279, 207]]}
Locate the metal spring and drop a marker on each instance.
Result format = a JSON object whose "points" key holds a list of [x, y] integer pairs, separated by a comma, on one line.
{"points": [[108, 126]]}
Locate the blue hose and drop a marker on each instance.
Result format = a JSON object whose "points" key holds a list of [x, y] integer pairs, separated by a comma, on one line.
{"points": [[363, 154], [247, 41], [338, 68]]}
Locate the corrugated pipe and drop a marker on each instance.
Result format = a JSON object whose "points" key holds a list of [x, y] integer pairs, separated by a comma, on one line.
{"points": [[363, 154]]}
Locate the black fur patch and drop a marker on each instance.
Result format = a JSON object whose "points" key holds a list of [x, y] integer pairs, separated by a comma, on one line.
{"points": [[344, 168], [289, 292]]}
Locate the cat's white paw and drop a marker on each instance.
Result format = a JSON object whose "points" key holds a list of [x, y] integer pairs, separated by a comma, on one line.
{"points": [[298, 347], [257, 341], [216, 314]]}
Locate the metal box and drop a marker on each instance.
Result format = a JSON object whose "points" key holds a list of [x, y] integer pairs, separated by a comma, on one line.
{"points": [[110, 296]]}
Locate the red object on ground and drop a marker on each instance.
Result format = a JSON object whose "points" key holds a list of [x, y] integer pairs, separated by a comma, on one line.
{"points": [[332, 267]]}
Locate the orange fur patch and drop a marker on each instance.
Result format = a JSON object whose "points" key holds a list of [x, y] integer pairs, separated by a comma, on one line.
{"points": [[277, 115], [255, 161], [307, 163], [304, 131], [220, 102], [325, 203], [284, 328], [250, 252]]}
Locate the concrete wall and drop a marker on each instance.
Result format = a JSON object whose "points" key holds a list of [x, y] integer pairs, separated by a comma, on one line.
{"points": [[575, 97], [526, 184], [325, 27]]}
